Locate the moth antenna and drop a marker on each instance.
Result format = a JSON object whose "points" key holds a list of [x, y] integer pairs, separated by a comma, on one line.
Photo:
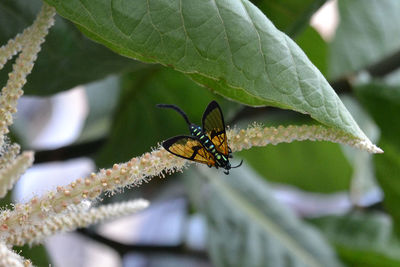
{"points": [[180, 111], [240, 164]]}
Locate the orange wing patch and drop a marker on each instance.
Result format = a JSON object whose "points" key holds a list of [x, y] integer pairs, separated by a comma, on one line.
{"points": [[219, 140], [214, 127], [189, 148]]}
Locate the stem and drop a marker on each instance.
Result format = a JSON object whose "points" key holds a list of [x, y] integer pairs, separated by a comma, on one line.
{"points": [[123, 249], [69, 152], [387, 65]]}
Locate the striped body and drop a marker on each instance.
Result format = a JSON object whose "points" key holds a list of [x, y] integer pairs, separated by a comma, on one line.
{"points": [[197, 132]]}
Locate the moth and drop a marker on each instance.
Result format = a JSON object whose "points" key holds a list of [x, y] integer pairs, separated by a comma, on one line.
{"points": [[207, 145]]}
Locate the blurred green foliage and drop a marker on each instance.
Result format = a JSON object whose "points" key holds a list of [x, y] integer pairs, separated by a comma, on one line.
{"points": [[362, 239], [248, 227], [307, 160]]}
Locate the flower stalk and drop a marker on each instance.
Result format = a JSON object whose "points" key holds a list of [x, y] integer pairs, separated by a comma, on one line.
{"points": [[71, 220]]}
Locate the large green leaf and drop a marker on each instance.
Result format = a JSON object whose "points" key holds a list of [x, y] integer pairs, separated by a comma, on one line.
{"points": [[67, 58], [292, 17], [362, 240], [368, 31], [229, 46], [248, 227]]}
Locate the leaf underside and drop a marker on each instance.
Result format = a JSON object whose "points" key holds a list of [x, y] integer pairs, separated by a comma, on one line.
{"points": [[229, 46], [261, 232]]}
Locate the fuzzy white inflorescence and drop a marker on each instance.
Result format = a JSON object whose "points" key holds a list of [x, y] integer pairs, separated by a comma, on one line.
{"points": [[9, 258], [12, 171], [13, 46], [29, 43], [132, 173], [9, 154], [70, 220], [142, 169], [256, 135]]}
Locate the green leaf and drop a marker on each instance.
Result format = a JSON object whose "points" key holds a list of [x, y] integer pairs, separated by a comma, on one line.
{"points": [[248, 227], [138, 125], [37, 254], [229, 46], [67, 58], [382, 102], [362, 239], [290, 16], [368, 31], [314, 166], [387, 168]]}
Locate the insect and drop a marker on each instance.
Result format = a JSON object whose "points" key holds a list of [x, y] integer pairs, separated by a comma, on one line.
{"points": [[206, 145]]}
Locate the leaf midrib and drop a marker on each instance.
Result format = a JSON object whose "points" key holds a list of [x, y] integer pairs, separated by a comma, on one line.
{"points": [[270, 226]]}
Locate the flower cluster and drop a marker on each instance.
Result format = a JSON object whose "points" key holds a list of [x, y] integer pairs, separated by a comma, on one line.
{"points": [[70, 220], [257, 135], [132, 173], [29, 43], [10, 172]]}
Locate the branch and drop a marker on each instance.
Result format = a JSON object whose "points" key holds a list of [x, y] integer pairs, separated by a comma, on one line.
{"points": [[387, 65], [145, 249], [377, 70], [69, 152]]}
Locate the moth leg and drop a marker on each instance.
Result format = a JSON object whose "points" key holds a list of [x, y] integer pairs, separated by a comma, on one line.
{"points": [[229, 150], [209, 165], [226, 172]]}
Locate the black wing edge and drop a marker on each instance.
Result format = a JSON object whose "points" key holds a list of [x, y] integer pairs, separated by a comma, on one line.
{"points": [[169, 142], [211, 106]]}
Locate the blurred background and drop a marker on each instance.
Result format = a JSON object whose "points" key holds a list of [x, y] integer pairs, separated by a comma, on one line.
{"points": [[86, 108]]}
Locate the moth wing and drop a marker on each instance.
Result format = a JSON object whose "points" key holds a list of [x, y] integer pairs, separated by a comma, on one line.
{"points": [[188, 147], [214, 127]]}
